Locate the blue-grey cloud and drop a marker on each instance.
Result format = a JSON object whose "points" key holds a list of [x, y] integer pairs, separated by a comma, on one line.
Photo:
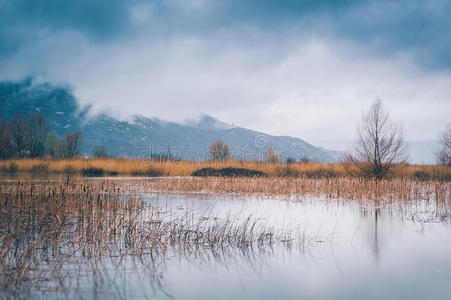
{"points": [[304, 68], [23, 21], [420, 27]]}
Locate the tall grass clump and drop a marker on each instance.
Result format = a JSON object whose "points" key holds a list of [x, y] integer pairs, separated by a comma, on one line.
{"points": [[12, 168], [92, 172], [345, 188], [54, 234], [40, 170]]}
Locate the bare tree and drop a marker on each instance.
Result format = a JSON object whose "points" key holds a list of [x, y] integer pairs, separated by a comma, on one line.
{"points": [[444, 155], [71, 145], [6, 145], [446, 137], [52, 146], [271, 156], [219, 151], [19, 129], [380, 144], [100, 152], [37, 135]]}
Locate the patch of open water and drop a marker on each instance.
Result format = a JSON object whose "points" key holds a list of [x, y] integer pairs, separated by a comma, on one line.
{"points": [[352, 251]]}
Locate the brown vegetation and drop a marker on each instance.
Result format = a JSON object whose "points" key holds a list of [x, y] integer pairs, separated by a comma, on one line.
{"points": [[219, 151], [138, 167], [31, 138], [335, 188], [444, 155], [271, 156], [53, 233], [228, 172]]}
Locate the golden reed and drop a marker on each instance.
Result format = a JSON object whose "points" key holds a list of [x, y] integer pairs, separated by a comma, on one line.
{"points": [[120, 166]]}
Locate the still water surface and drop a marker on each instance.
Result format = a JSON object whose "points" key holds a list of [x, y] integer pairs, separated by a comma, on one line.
{"points": [[335, 249], [351, 251]]}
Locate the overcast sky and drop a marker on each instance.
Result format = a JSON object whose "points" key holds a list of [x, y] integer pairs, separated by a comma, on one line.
{"points": [[285, 67]]}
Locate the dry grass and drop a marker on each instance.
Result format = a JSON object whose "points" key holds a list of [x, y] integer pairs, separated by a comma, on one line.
{"points": [[116, 166], [54, 233], [334, 188]]}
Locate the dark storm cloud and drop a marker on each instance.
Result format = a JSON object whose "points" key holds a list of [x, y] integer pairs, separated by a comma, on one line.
{"points": [[304, 68], [421, 28], [24, 21]]}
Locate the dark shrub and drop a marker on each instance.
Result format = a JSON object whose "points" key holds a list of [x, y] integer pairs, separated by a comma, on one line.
{"points": [[441, 174], [240, 172], [69, 170], [100, 152], [13, 168], [228, 172], [304, 160], [113, 173], [150, 172], [422, 175], [286, 171], [92, 172], [290, 160], [206, 172], [40, 170]]}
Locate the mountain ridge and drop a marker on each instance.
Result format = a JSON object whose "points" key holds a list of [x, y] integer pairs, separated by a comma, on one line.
{"points": [[142, 136]]}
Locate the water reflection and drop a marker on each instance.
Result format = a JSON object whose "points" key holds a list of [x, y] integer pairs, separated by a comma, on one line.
{"points": [[371, 218], [225, 247]]}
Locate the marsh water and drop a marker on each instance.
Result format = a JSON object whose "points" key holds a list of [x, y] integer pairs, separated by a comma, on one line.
{"points": [[335, 249], [351, 251]]}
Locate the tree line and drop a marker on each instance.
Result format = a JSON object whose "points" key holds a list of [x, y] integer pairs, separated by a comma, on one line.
{"points": [[32, 137], [219, 151], [379, 147]]}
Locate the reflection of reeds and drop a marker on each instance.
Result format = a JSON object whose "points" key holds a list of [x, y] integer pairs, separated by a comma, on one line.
{"points": [[49, 230], [54, 232], [186, 168]]}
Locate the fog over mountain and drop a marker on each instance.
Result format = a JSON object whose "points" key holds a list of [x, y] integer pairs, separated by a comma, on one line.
{"points": [[142, 136], [298, 68]]}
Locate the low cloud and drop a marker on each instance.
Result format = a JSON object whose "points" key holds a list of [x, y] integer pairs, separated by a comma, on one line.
{"points": [[295, 70]]}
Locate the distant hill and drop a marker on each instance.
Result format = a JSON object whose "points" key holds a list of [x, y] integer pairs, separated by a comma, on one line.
{"points": [[57, 103], [423, 152], [420, 152], [142, 136]]}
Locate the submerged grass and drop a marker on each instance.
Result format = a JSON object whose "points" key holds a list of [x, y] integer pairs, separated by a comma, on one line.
{"points": [[139, 167]]}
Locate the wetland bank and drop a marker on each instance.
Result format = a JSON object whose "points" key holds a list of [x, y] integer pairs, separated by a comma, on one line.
{"points": [[198, 238]]}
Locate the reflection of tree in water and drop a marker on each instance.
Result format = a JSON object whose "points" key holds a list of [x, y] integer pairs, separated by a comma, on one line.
{"points": [[379, 218], [372, 217]]}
